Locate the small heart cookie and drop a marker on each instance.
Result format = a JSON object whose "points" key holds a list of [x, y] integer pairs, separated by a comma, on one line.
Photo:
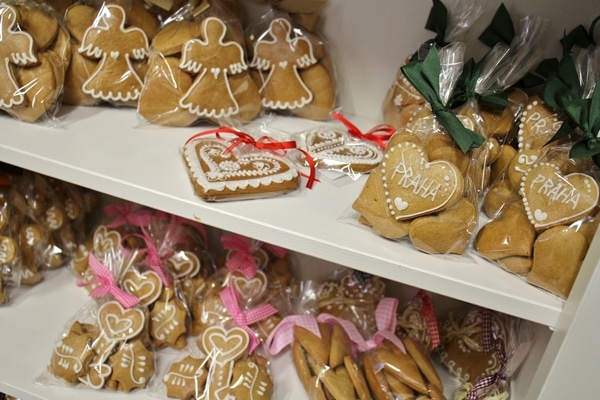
{"points": [[220, 175], [250, 289], [551, 198], [332, 149], [538, 125], [118, 323], [146, 286]]}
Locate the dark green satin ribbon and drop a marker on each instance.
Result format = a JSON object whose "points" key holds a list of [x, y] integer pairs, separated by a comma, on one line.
{"points": [[500, 30], [425, 77], [437, 22], [585, 113], [465, 88], [579, 37]]}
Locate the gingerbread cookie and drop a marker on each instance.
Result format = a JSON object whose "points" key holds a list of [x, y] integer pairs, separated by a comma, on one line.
{"points": [[291, 73], [35, 53], [132, 366], [73, 353], [185, 378], [335, 150], [217, 175]]}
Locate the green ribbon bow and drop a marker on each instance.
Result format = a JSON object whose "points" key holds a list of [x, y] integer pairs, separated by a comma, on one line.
{"points": [[425, 77], [465, 88], [562, 88], [579, 37], [437, 22], [585, 113], [500, 30]]}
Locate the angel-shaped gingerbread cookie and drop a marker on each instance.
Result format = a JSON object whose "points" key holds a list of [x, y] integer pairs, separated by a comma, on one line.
{"points": [[114, 78], [213, 60], [280, 56], [16, 48]]}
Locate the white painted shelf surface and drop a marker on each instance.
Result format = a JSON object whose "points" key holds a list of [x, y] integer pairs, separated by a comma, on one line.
{"points": [[111, 151]]}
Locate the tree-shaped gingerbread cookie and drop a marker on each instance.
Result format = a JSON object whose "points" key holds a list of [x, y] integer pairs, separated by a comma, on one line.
{"points": [[280, 55], [16, 48], [114, 78]]}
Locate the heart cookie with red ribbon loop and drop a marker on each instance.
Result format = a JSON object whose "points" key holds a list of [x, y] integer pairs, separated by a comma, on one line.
{"points": [[332, 149], [221, 173], [415, 186], [551, 198]]}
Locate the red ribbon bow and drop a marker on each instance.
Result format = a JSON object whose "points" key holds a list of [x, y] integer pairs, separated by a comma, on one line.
{"points": [[379, 134], [230, 299], [105, 281], [262, 143], [428, 312]]}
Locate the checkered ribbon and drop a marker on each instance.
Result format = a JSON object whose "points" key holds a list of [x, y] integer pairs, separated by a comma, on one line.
{"points": [[241, 255], [487, 384], [428, 312], [230, 298]]}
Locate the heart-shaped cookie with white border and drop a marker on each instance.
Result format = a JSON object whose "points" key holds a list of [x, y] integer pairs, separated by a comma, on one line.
{"points": [[118, 323], [551, 198], [332, 149], [105, 242], [415, 186], [224, 346], [250, 289], [146, 286], [218, 174], [184, 264], [537, 126]]}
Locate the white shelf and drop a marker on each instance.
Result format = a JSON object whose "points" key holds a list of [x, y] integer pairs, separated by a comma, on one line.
{"points": [[110, 150]]}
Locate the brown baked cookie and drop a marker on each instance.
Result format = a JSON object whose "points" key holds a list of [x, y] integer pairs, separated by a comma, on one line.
{"points": [[132, 366], [73, 353], [217, 175], [185, 378], [251, 379], [289, 73], [168, 324]]}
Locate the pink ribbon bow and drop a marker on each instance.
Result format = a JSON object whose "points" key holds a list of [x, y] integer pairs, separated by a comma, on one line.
{"points": [[154, 260], [283, 334], [230, 299], [385, 319], [125, 215], [105, 281], [242, 254]]}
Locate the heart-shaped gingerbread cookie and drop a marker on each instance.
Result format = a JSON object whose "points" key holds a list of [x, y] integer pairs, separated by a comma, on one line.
{"points": [[118, 323], [415, 186], [333, 149], [225, 345], [184, 264], [250, 289], [146, 286], [552, 199], [538, 125], [220, 175]]}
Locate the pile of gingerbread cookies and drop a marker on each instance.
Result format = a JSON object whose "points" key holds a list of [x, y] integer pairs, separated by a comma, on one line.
{"points": [[176, 63], [42, 222]]}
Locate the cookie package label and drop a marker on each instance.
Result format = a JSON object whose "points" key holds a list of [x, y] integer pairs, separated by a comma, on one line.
{"points": [[114, 78], [551, 199], [414, 186], [16, 48]]}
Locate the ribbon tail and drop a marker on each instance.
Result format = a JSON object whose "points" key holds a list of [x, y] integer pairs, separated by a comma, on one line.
{"points": [[465, 138]]}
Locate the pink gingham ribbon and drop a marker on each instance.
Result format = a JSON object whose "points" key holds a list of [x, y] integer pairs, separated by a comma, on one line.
{"points": [[489, 343], [385, 318], [428, 312], [241, 254], [124, 214], [153, 259], [283, 334], [230, 299], [105, 284]]}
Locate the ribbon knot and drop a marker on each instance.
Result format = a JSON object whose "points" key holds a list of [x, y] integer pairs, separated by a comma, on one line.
{"points": [[230, 298], [379, 134], [241, 257], [105, 284]]}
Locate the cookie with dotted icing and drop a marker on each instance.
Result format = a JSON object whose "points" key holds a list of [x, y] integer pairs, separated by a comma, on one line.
{"points": [[415, 186], [220, 175], [537, 125], [551, 198], [335, 150]]}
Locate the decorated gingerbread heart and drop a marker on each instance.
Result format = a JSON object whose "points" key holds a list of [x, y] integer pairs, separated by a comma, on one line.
{"points": [[415, 186], [551, 198], [146, 286], [219, 174], [252, 289], [537, 126]]}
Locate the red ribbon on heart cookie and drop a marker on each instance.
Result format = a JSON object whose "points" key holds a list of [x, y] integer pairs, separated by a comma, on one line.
{"points": [[262, 143], [379, 134]]}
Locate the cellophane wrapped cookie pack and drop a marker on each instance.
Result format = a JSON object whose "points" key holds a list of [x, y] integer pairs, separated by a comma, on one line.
{"points": [[425, 185], [111, 43], [233, 314], [403, 103], [44, 220], [483, 349], [292, 67], [227, 164], [36, 52], [340, 352], [198, 71]]}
